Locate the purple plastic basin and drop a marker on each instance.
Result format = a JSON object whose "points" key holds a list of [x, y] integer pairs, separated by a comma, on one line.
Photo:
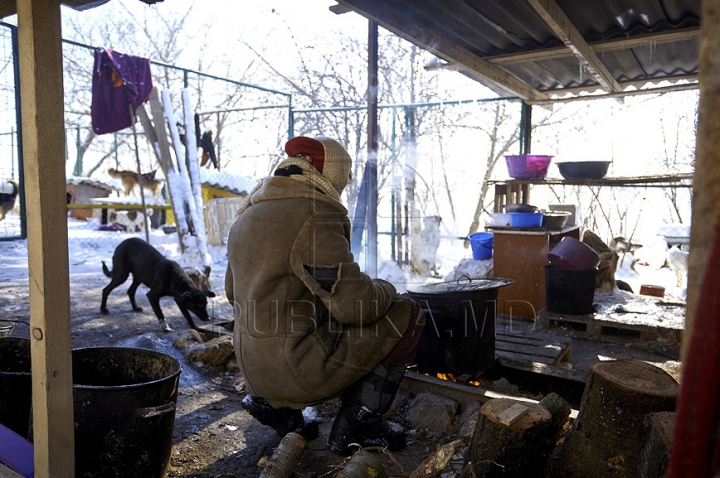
{"points": [[526, 166], [573, 255]]}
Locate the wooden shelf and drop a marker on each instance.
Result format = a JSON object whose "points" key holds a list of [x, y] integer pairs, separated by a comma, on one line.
{"points": [[683, 180]]}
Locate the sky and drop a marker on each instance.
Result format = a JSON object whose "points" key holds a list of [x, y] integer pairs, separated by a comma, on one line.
{"points": [[624, 132]]}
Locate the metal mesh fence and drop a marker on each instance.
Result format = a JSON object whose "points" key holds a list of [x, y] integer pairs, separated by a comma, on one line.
{"points": [[11, 223], [434, 163]]}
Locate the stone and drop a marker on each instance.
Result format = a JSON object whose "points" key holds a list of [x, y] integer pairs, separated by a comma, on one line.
{"points": [[468, 419], [214, 352], [432, 412]]}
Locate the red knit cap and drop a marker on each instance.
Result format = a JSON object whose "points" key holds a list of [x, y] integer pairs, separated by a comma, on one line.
{"points": [[304, 146]]}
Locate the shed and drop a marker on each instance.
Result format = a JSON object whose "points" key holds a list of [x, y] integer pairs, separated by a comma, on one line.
{"points": [[548, 41]]}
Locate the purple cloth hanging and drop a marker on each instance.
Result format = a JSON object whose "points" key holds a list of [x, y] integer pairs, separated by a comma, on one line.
{"points": [[117, 80]]}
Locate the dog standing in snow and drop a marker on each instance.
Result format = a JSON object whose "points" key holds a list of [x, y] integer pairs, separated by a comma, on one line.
{"points": [[9, 190], [677, 259]]}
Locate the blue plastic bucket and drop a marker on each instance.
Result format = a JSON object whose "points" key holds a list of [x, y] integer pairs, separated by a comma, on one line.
{"points": [[482, 245]]}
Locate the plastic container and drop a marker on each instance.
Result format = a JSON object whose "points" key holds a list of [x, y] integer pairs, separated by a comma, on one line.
{"points": [[569, 292], [574, 211], [526, 219], [571, 254], [519, 208], [15, 384], [526, 166], [653, 290], [555, 220], [498, 219], [584, 169], [482, 245]]}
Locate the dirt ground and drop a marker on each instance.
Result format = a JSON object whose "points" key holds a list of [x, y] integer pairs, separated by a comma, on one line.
{"points": [[213, 435]]}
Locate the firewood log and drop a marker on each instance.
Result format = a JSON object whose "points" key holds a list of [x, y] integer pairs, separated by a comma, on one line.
{"points": [[363, 464], [283, 462], [608, 434], [655, 453], [509, 439], [433, 465]]}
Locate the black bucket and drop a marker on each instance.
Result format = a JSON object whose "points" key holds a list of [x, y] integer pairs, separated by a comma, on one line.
{"points": [[569, 292], [459, 335], [15, 384], [124, 404]]}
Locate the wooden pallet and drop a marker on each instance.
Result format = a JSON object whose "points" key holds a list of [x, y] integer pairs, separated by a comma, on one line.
{"points": [[593, 326], [527, 347]]}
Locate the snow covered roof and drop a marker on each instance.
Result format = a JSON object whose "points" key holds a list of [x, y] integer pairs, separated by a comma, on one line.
{"points": [[240, 185], [107, 184]]}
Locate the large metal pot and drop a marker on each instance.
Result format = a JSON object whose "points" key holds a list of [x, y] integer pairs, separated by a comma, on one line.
{"points": [[15, 384], [459, 336]]}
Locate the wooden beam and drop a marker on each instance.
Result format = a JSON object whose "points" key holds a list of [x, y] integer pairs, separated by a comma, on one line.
{"points": [[685, 34], [406, 27], [339, 9], [7, 8], [556, 19], [41, 84]]}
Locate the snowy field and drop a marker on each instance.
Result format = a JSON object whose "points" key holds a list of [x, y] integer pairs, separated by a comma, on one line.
{"points": [[88, 246]]}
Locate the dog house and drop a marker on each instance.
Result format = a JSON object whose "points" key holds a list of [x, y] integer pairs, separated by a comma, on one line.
{"points": [[222, 195], [83, 191]]}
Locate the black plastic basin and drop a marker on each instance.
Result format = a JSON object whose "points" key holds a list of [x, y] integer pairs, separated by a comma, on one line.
{"points": [[584, 169]]}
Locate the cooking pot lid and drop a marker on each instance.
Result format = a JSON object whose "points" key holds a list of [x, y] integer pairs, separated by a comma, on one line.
{"points": [[464, 284]]}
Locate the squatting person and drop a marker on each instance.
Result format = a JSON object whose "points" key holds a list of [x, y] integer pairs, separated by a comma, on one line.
{"points": [[309, 324]]}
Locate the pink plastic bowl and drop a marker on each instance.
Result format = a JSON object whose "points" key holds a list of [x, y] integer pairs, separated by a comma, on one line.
{"points": [[525, 166], [573, 255]]}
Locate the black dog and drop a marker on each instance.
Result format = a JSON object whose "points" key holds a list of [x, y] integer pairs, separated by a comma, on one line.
{"points": [[163, 276]]}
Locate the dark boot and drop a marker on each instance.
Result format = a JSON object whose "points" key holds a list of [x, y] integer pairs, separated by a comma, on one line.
{"points": [[360, 420], [283, 420]]}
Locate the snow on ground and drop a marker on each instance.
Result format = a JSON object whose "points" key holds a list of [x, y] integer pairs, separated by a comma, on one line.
{"points": [[88, 246]]}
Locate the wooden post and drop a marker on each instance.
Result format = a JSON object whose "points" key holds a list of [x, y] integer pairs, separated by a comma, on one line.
{"points": [[41, 80], [706, 180], [609, 433]]}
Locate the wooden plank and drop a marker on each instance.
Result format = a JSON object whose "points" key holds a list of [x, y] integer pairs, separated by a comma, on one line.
{"points": [[6, 472], [519, 357], [166, 163], [43, 136], [556, 19], [647, 40], [536, 351], [149, 132], [512, 414]]}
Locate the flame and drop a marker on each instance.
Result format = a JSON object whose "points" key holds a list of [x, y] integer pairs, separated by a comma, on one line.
{"points": [[446, 376]]}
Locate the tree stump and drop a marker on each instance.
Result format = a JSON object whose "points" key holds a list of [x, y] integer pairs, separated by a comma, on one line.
{"points": [[608, 434], [655, 453], [509, 439]]}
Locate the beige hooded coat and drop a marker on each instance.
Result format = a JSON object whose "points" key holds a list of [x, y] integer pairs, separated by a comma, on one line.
{"points": [[296, 343]]}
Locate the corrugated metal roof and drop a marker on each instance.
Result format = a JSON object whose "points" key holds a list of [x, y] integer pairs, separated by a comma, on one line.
{"points": [[537, 49]]}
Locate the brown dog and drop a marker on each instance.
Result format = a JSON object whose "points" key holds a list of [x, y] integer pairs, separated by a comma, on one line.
{"points": [[130, 179], [8, 196]]}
